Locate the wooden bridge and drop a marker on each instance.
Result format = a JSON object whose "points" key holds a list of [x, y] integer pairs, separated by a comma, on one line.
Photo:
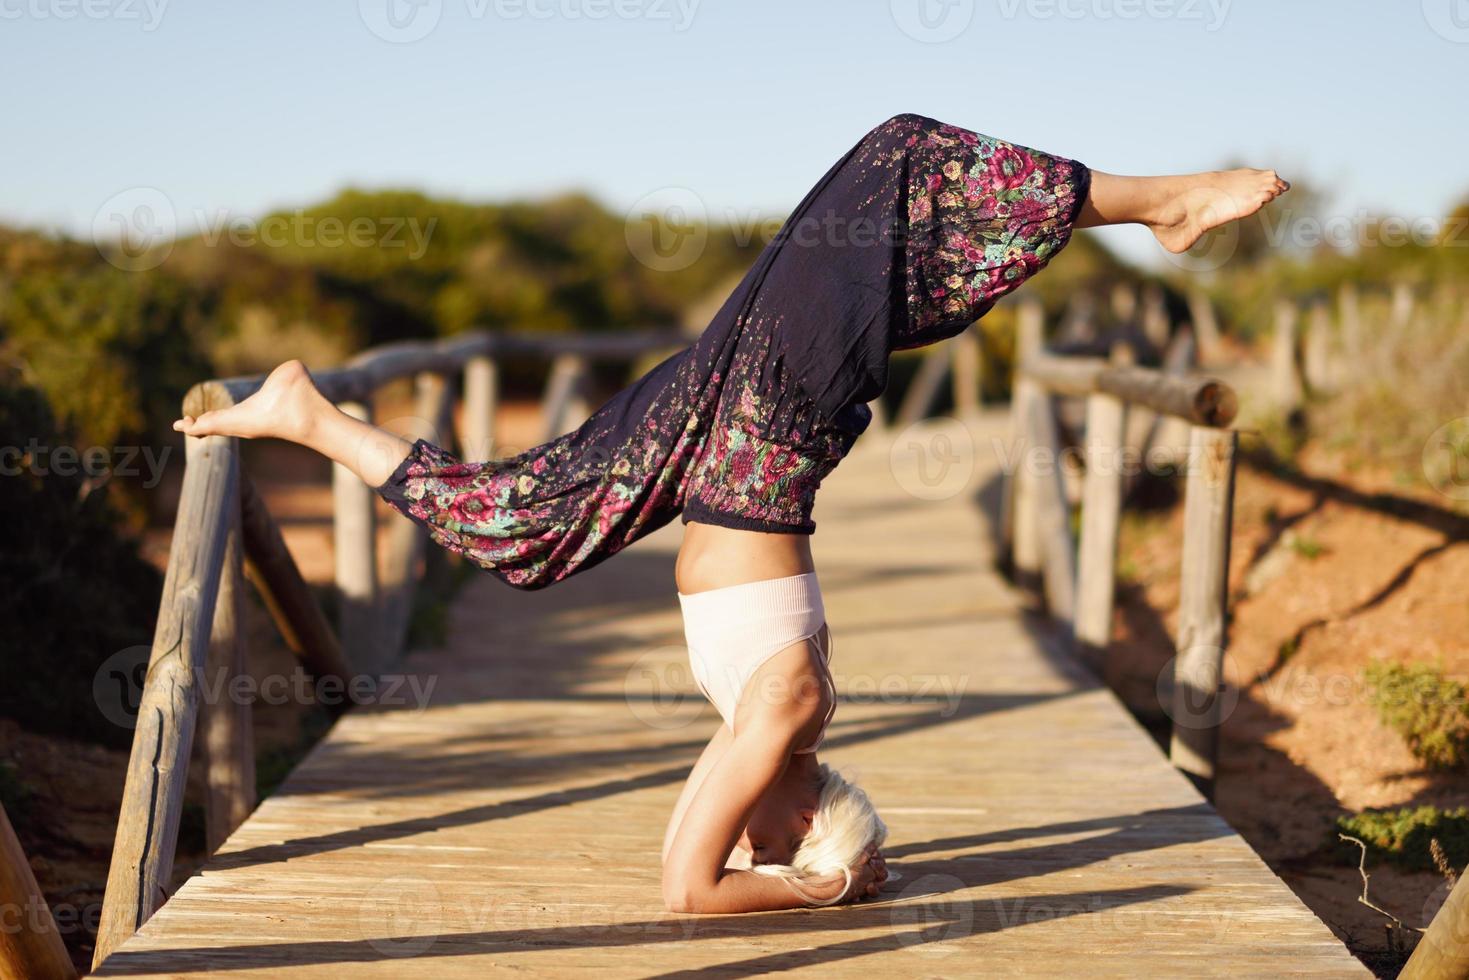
{"points": [[504, 811]]}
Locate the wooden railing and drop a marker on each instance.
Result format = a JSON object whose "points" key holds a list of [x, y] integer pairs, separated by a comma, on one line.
{"points": [[1077, 581], [223, 536]]}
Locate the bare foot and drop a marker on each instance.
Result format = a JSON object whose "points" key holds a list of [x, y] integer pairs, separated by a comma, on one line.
{"points": [[1210, 200], [283, 407]]}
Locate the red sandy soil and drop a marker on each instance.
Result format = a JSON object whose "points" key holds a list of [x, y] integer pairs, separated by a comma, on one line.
{"points": [[1304, 745]]}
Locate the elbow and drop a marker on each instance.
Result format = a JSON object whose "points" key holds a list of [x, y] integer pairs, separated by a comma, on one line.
{"points": [[679, 901], [680, 896]]}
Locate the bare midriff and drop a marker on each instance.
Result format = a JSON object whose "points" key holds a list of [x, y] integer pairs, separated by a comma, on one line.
{"points": [[715, 557]]}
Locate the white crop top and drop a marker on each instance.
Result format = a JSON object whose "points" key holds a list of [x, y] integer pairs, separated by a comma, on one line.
{"points": [[732, 632]]}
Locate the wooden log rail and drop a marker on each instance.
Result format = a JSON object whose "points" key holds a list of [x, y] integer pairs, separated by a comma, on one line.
{"points": [[224, 537], [1077, 582]]}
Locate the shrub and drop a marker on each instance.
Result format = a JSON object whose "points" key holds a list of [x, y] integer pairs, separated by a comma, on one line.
{"points": [[1403, 835], [1426, 708], [73, 589]]}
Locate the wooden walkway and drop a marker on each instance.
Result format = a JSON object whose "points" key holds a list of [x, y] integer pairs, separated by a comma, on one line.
{"points": [[515, 823]]}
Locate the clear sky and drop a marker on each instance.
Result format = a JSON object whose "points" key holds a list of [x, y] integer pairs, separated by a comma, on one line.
{"points": [[248, 106]]}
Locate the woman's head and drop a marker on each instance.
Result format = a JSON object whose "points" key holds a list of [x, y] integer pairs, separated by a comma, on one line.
{"points": [[808, 827]]}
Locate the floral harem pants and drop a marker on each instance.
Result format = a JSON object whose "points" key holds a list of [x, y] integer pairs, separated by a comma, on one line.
{"points": [[732, 431]]}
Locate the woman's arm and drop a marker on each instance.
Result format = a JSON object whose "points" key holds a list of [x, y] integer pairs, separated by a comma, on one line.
{"points": [[694, 876], [707, 760]]}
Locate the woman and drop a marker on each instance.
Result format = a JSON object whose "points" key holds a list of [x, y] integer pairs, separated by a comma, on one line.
{"points": [[910, 237]]}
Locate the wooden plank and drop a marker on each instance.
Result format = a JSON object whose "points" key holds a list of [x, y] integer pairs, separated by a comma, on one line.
{"points": [[512, 826], [1197, 399], [30, 944], [1203, 603], [359, 378], [229, 733], [277, 580], [1101, 513], [153, 794], [354, 551]]}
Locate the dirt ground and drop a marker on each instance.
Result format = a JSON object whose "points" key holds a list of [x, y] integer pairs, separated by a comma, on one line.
{"points": [[1331, 569]]}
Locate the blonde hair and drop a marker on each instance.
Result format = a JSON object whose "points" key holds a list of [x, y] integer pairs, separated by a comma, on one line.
{"points": [[844, 824]]}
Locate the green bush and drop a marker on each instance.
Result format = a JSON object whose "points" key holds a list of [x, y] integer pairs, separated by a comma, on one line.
{"points": [[73, 591], [1402, 835], [1429, 710]]}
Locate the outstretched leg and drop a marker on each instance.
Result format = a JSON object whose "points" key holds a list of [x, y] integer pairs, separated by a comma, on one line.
{"points": [[289, 407], [1178, 210]]}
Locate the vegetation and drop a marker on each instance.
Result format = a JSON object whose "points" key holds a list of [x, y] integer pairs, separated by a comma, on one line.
{"points": [[74, 594], [1429, 710], [1405, 835]]}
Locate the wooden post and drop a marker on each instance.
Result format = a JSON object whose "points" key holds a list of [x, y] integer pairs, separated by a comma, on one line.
{"points": [[1285, 375], [1402, 307], [355, 550], [1078, 322], [1168, 435], [966, 371], [1052, 518], [566, 404], [481, 399], [1101, 510], [1206, 325], [924, 390], [153, 795], [1349, 312], [434, 407], [273, 572], [30, 943], [1124, 302], [1156, 326], [1017, 515], [1443, 952], [1198, 681], [229, 733], [1317, 355]]}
